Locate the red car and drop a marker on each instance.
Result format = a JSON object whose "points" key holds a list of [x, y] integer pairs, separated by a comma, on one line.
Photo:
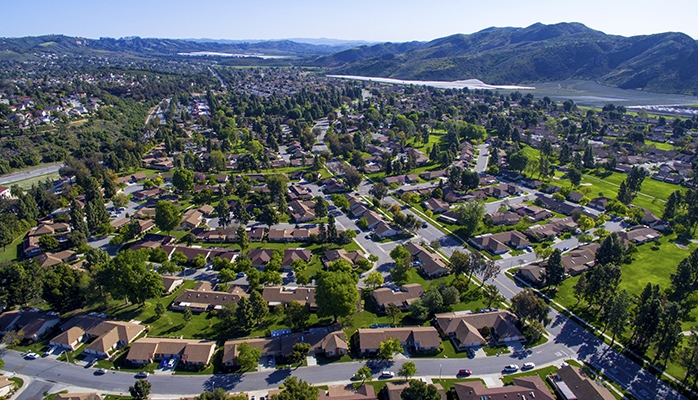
{"points": [[465, 372]]}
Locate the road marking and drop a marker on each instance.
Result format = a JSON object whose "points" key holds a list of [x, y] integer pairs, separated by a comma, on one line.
{"points": [[504, 286]]}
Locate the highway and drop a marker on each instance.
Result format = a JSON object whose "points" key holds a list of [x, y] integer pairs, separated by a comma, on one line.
{"points": [[23, 175]]}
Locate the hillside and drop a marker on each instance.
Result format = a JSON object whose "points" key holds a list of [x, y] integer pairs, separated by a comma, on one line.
{"points": [[666, 62], [59, 44]]}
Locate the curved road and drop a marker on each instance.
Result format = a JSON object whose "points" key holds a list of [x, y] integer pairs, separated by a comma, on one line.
{"points": [[567, 340]]}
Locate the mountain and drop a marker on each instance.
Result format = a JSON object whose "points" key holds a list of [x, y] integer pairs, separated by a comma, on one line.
{"points": [[153, 47], [665, 62]]}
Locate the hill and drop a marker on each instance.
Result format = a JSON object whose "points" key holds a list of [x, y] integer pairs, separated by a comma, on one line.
{"points": [[666, 62], [148, 47]]}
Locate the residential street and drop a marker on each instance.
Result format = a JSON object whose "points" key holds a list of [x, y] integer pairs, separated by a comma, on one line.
{"points": [[568, 340]]}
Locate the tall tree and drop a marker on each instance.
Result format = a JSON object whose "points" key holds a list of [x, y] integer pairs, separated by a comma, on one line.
{"points": [[320, 207], [407, 370], [469, 216], [244, 315], [183, 180], [260, 308], [378, 190], [223, 211], [616, 314], [336, 294], [527, 305], [460, 263], [269, 216], [554, 270], [647, 318], [248, 356], [140, 390], [363, 374], [77, 219], [389, 347], [167, 216], [610, 251], [419, 390], [296, 389]]}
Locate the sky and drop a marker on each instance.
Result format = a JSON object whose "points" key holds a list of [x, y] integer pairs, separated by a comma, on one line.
{"points": [[369, 20]]}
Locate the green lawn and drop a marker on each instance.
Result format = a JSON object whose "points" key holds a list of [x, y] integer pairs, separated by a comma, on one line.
{"points": [[660, 145], [531, 153], [12, 250], [496, 350], [653, 198], [543, 373], [655, 266]]}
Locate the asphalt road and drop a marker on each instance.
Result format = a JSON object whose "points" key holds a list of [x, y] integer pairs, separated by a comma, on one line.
{"points": [[20, 176], [567, 340]]}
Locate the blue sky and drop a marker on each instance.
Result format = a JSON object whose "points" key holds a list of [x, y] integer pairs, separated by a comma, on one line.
{"points": [[372, 20]]}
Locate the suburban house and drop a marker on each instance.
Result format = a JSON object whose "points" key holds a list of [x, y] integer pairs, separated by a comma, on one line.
{"points": [[372, 218], [551, 229], [431, 264], [598, 203], [347, 392], [6, 386], [77, 396], [341, 254], [53, 259], [464, 329], [33, 324], [572, 383], [291, 235], [533, 213], [506, 218], [191, 219], [533, 274], [652, 221], [291, 255], [171, 283], [429, 175], [394, 390], [192, 353], [530, 387], [322, 341], [499, 243], [419, 339], [105, 336], [402, 297], [302, 211], [204, 298], [5, 192], [436, 206], [639, 235], [282, 296], [384, 230]]}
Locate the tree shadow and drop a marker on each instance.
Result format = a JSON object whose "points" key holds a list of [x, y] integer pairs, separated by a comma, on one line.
{"points": [[278, 376], [224, 381]]}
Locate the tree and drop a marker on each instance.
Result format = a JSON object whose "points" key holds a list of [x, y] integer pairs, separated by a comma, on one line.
{"points": [[183, 180], [407, 370], [585, 223], [492, 295], [418, 311], [625, 194], [352, 177], [616, 314], [244, 315], [296, 315], [469, 216], [610, 251], [260, 308], [187, 314], [219, 394], [460, 263], [390, 347], [336, 294], [554, 270], [489, 270], [647, 317], [432, 300], [668, 335], [527, 305], [269, 216], [65, 288], [77, 218], [278, 186], [167, 216], [580, 288], [393, 312], [374, 279], [450, 295], [223, 211], [688, 356], [320, 207], [159, 310], [241, 214], [378, 190], [574, 175], [363, 374], [518, 161], [127, 277], [96, 214], [419, 390], [296, 389], [299, 352], [331, 229], [248, 356], [48, 243], [140, 390]]}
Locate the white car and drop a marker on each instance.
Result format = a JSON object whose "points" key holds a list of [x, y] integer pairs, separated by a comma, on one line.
{"points": [[31, 356], [387, 374], [511, 368], [171, 363], [528, 365]]}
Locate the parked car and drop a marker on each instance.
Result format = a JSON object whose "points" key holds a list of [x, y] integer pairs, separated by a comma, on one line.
{"points": [[101, 371], [142, 375], [511, 368], [528, 365], [31, 356], [171, 363], [50, 350], [241, 275], [424, 225], [387, 374], [465, 372]]}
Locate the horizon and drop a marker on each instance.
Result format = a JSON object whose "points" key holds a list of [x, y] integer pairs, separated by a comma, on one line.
{"points": [[388, 21]]}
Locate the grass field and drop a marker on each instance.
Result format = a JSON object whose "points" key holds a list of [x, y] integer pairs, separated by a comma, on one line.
{"points": [[652, 195], [655, 266], [12, 250]]}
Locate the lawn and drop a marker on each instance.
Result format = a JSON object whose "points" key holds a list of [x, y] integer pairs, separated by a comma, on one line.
{"points": [[660, 145], [543, 373], [12, 250], [26, 184], [496, 350], [653, 198], [655, 266]]}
